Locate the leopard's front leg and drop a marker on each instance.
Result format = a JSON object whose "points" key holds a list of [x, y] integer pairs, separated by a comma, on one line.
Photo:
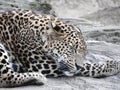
{"points": [[100, 69], [9, 78], [13, 79]]}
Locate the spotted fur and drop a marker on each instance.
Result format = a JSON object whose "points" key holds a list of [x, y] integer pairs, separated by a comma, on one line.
{"points": [[33, 47]]}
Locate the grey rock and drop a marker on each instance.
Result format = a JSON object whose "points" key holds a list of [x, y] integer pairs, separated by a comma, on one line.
{"points": [[99, 21]]}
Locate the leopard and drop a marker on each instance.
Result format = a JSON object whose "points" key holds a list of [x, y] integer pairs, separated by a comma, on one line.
{"points": [[34, 47]]}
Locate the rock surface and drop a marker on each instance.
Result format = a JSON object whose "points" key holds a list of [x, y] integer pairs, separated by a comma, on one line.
{"points": [[99, 21]]}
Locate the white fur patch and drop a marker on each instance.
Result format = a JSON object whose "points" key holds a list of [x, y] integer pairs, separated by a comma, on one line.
{"points": [[68, 73]]}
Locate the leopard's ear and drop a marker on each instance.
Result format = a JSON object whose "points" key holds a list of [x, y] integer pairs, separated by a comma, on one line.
{"points": [[54, 26], [57, 29]]}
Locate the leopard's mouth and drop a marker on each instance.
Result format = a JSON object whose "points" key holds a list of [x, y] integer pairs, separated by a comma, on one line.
{"points": [[67, 69]]}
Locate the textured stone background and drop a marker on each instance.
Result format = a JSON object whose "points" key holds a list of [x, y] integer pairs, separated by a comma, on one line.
{"points": [[99, 21]]}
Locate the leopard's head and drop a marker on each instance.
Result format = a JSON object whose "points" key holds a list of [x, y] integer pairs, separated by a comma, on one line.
{"points": [[66, 46]]}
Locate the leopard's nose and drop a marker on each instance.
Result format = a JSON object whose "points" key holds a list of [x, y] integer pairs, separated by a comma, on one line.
{"points": [[77, 66]]}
